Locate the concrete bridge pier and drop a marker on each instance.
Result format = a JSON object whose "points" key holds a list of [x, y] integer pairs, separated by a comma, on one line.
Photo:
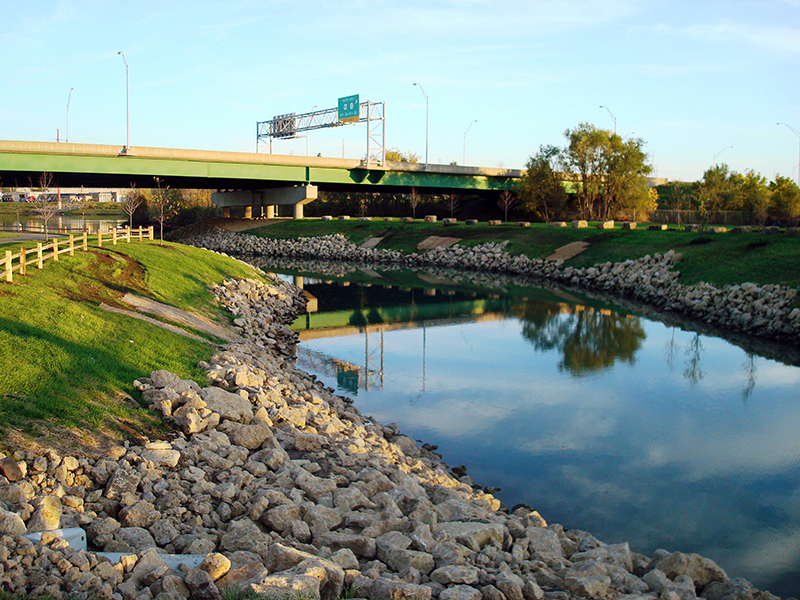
{"points": [[266, 199]]}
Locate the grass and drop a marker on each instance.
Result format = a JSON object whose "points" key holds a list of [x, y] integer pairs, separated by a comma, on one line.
{"points": [[68, 364], [719, 259]]}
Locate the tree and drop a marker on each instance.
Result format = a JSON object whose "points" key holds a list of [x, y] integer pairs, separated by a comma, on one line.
{"points": [[395, 155], [506, 201], [625, 180], [414, 199], [720, 189], [82, 203], [785, 199], [610, 171], [131, 202], [163, 206], [541, 189], [585, 159], [756, 195], [44, 204], [451, 201]]}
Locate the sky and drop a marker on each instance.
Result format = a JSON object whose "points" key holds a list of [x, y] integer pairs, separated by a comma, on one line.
{"points": [[698, 82]]}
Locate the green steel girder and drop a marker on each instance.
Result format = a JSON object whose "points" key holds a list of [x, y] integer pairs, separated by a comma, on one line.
{"points": [[23, 168]]}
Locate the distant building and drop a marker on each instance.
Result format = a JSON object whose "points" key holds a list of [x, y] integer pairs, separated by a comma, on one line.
{"points": [[66, 195]]}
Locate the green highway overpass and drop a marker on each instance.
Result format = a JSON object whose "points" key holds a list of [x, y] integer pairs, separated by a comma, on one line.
{"points": [[73, 165]]}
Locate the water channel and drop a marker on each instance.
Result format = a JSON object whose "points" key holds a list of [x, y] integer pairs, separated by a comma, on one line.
{"points": [[600, 419], [74, 224]]}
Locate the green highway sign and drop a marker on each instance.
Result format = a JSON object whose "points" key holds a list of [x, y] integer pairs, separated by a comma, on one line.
{"points": [[349, 109]]}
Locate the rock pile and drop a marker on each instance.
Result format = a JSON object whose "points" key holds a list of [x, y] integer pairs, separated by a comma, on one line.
{"points": [[288, 490], [748, 308]]}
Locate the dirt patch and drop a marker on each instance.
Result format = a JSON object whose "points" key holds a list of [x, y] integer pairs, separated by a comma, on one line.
{"points": [[568, 251]]}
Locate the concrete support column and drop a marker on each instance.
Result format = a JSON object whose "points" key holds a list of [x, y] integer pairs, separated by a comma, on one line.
{"points": [[226, 212], [298, 211], [299, 281], [270, 211], [248, 212]]}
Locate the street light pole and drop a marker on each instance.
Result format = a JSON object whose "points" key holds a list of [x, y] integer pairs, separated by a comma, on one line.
{"points": [[613, 118], [127, 108], [427, 107], [714, 161], [797, 133], [465, 142], [68, 100]]}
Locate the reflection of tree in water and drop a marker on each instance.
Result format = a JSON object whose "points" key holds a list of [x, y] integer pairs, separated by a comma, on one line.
{"points": [[590, 340], [693, 371], [749, 368]]}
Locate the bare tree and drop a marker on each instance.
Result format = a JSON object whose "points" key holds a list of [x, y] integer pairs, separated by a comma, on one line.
{"points": [[506, 201], [45, 205], [414, 199], [451, 201], [83, 203], [162, 206], [132, 201]]}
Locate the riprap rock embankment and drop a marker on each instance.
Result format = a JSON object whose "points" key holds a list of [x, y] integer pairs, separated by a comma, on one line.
{"points": [[767, 311], [282, 487]]}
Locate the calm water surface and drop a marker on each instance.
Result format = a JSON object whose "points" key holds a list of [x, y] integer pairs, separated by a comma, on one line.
{"points": [[606, 422]]}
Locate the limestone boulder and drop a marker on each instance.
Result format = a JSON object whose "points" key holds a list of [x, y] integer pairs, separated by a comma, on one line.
{"points": [[228, 406], [701, 570]]}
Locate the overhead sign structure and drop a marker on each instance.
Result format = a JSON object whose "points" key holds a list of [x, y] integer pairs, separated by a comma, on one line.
{"points": [[349, 109]]}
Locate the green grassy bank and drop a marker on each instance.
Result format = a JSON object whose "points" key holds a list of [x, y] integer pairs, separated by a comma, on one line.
{"points": [[67, 364], [717, 258]]}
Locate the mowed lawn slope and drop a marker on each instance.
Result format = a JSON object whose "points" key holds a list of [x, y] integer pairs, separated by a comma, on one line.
{"points": [[67, 365]]}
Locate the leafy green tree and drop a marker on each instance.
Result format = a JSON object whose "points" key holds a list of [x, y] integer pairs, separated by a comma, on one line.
{"points": [[611, 171], [395, 155], [720, 189], [540, 189], [756, 195], [785, 199], [585, 159], [626, 178]]}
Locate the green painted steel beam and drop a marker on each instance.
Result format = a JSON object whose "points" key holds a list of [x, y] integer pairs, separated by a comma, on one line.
{"points": [[73, 165]]}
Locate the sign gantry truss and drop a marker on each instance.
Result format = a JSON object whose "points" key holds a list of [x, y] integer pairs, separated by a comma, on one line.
{"points": [[289, 125]]}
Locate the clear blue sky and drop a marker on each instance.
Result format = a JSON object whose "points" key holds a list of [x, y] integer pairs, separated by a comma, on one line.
{"points": [[694, 79]]}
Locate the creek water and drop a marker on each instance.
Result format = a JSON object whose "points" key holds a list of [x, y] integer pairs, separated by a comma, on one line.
{"points": [[57, 222], [600, 419]]}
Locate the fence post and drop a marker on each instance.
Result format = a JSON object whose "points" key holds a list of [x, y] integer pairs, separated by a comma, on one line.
{"points": [[23, 255], [150, 233], [114, 236], [72, 244], [99, 238], [85, 241], [55, 249], [128, 234], [39, 256], [9, 275]]}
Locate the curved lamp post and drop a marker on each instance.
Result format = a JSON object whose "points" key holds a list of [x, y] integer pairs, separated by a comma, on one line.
{"points": [[714, 161], [797, 133], [68, 100], [465, 142], [127, 147], [427, 107], [613, 118]]}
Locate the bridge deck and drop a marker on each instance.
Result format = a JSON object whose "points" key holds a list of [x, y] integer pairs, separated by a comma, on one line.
{"points": [[104, 165]]}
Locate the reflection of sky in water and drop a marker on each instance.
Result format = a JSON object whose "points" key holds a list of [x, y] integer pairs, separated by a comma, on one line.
{"points": [[663, 451]]}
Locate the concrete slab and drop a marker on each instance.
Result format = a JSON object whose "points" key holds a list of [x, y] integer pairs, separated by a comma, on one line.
{"points": [[436, 241], [372, 242], [568, 251]]}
